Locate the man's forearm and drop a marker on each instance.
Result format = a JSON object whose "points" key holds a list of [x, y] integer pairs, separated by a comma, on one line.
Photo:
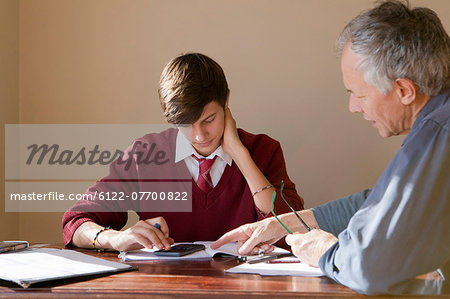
{"points": [[294, 224], [334, 216]]}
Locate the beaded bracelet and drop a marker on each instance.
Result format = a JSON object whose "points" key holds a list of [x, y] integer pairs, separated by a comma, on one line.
{"points": [[262, 189], [96, 236]]}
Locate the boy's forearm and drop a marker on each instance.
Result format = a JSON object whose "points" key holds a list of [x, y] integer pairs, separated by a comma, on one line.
{"points": [[85, 234], [254, 177]]}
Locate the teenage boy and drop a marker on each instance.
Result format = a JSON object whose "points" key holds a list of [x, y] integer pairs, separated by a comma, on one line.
{"points": [[234, 173]]}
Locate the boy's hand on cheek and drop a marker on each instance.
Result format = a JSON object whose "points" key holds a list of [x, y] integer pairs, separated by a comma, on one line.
{"points": [[231, 142]]}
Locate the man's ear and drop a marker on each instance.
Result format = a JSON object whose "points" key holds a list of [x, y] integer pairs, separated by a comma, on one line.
{"points": [[406, 90]]}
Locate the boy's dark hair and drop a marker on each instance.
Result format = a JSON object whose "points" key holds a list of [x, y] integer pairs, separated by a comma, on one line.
{"points": [[188, 83]]}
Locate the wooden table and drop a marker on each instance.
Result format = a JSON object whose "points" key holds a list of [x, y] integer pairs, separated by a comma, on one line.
{"points": [[175, 279]]}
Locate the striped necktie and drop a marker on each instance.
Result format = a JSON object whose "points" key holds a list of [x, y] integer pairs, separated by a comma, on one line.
{"points": [[204, 181]]}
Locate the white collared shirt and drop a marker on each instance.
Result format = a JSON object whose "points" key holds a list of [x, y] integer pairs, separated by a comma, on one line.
{"points": [[184, 151]]}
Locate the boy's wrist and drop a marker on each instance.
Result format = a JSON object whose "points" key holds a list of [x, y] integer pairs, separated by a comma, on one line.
{"points": [[238, 151], [106, 240]]}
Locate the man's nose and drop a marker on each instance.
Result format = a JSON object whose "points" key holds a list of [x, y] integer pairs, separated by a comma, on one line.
{"points": [[354, 105]]}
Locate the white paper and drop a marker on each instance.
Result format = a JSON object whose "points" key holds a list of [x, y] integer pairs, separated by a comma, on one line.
{"points": [[229, 248], [277, 269], [41, 264]]}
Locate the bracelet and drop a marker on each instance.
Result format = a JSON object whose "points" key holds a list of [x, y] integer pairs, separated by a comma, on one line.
{"points": [[262, 189], [96, 236]]}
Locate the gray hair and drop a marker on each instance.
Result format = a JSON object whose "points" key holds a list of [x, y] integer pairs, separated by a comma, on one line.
{"points": [[395, 41]]}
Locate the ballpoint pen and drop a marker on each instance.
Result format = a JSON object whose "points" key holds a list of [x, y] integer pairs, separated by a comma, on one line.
{"points": [[244, 258], [262, 258]]}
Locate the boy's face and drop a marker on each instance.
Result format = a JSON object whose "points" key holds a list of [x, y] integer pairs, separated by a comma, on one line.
{"points": [[207, 131]]}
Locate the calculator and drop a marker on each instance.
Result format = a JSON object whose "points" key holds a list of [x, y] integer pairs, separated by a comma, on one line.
{"points": [[180, 250]]}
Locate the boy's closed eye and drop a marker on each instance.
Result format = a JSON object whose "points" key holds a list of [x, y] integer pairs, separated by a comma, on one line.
{"points": [[210, 119]]}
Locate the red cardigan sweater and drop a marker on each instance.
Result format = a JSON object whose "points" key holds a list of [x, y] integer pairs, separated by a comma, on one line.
{"points": [[229, 205]]}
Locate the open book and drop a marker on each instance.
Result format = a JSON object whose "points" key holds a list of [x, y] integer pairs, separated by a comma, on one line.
{"points": [[208, 253]]}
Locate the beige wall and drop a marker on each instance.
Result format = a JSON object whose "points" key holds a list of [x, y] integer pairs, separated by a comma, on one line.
{"points": [[9, 95], [99, 62]]}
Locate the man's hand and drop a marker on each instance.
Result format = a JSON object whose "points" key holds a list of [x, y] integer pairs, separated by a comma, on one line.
{"points": [[253, 237], [310, 247], [142, 234]]}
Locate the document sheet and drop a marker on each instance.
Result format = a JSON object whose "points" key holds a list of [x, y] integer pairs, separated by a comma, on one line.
{"points": [[43, 264], [277, 269]]}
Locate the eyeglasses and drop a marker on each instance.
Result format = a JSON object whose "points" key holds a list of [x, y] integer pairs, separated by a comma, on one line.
{"points": [[274, 195]]}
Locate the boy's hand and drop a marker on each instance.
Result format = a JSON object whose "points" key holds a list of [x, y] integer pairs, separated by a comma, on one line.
{"points": [[231, 141], [142, 234]]}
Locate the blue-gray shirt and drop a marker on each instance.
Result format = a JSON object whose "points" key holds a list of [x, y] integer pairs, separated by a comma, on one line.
{"points": [[401, 228]]}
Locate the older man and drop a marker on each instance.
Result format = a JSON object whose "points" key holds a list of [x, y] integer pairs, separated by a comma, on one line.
{"points": [[395, 63]]}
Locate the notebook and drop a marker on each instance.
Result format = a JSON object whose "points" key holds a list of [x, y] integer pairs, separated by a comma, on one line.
{"points": [[208, 253], [33, 265]]}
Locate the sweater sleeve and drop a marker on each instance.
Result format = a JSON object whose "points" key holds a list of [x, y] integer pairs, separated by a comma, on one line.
{"points": [[121, 179], [402, 229], [334, 216]]}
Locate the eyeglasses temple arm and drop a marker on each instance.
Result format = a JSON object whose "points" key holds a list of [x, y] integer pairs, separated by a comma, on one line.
{"points": [[292, 209], [274, 194]]}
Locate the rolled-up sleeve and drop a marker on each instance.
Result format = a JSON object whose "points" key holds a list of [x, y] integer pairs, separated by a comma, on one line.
{"points": [[334, 216]]}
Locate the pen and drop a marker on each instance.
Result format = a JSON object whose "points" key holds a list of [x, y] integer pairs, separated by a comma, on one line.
{"points": [[288, 259], [282, 262], [247, 258], [263, 258]]}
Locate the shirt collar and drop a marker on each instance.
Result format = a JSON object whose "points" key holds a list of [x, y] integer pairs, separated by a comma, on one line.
{"points": [[184, 149], [433, 103]]}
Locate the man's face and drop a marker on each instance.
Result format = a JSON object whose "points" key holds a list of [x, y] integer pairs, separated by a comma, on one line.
{"points": [[386, 112], [206, 133]]}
